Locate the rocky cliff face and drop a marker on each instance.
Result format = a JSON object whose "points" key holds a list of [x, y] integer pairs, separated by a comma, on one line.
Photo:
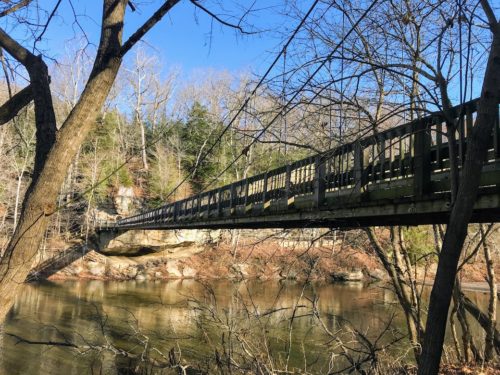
{"points": [[141, 242], [138, 254], [124, 200], [161, 265]]}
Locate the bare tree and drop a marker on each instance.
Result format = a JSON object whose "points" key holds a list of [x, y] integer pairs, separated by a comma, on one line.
{"points": [[56, 148], [141, 78], [462, 209]]}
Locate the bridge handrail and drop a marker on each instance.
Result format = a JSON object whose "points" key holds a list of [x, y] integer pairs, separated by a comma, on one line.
{"points": [[411, 151]]}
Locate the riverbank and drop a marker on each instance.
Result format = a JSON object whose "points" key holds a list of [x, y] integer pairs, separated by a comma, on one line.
{"points": [[264, 260]]}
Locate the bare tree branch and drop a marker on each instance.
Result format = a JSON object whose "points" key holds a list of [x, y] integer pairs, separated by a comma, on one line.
{"points": [[51, 16], [16, 50], [489, 13], [49, 343], [197, 4], [12, 106], [15, 7], [141, 31]]}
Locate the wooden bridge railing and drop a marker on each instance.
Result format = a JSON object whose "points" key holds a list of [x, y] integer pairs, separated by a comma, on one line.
{"points": [[411, 152]]}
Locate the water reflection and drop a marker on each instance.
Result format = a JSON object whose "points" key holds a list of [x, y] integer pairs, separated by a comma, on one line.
{"points": [[75, 311]]}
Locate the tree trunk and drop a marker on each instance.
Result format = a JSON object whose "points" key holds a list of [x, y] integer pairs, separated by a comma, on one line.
{"points": [[483, 320], [40, 201], [143, 146], [461, 213], [471, 353], [489, 346], [18, 190]]}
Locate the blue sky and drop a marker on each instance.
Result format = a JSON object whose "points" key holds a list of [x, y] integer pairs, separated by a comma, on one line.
{"points": [[186, 37]]}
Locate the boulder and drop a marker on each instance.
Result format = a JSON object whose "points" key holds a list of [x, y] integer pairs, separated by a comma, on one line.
{"points": [[376, 273], [173, 269], [270, 272], [96, 269], [241, 270], [355, 275], [288, 273], [188, 272], [74, 269], [131, 272]]}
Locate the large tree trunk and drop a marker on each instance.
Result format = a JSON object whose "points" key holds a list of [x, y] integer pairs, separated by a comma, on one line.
{"points": [[51, 170], [461, 212], [489, 345]]}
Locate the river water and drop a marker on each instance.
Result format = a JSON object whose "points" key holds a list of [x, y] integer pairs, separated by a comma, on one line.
{"points": [[282, 324]]}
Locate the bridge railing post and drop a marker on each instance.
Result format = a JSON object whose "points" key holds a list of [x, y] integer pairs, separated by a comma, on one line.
{"points": [[245, 201], [192, 208], [358, 169], [382, 158], [319, 181], [264, 193], [219, 202], [176, 211], [232, 198], [198, 204], [496, 135], [209, 194], [422, 162], [288, 185]]}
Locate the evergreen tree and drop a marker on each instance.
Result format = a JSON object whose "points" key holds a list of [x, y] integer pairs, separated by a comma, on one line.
{"points": [[197, 135]]}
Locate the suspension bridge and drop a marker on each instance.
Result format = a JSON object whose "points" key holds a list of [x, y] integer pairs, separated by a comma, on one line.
{"points": [[399, 176]]}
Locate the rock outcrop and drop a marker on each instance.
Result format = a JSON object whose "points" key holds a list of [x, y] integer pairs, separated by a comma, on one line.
{"points": [[124, 200], [168, 254], [161, 265], [355, 275], [141, 242]]}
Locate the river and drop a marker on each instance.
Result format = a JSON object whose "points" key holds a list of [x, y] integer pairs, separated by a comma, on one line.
{"points": [[271, 321]]}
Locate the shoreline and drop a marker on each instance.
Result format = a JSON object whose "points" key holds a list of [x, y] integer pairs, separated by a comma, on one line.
{"points": [[200, 261], [469, 286]]}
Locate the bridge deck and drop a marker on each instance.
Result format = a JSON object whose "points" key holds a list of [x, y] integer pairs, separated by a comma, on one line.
{"points": [[398, 176]]}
